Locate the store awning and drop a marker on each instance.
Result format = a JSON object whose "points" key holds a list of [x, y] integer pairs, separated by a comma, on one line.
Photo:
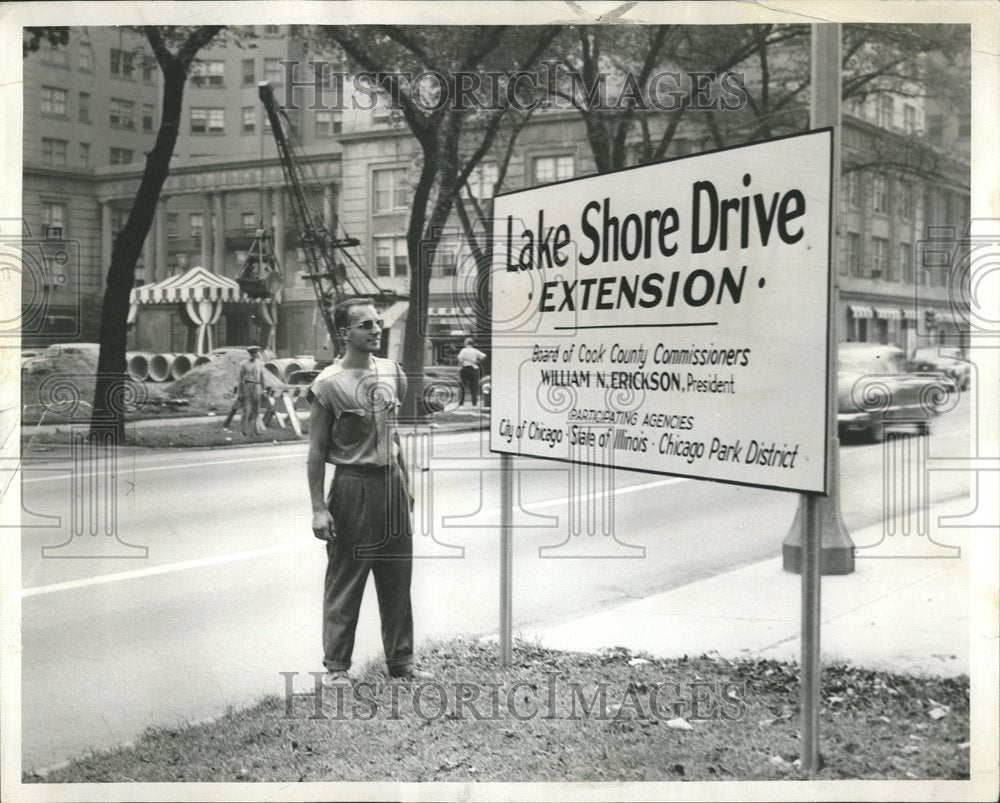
{"points": [[909, 314], [860, 311], [888, 313], [197, 284]]}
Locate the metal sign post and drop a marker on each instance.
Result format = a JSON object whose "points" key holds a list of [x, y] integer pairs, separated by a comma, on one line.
{"points": [[506, 557], [824, 111]]}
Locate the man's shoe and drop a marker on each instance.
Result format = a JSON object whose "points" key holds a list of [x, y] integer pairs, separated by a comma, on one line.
{"points": [[410, 673], [337, 679]]}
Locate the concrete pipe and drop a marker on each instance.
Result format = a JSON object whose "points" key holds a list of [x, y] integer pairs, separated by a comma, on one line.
{"points": [[307, 362], [203, 359], [137, 364], [160, 365], [283, 368], [183, 364]]}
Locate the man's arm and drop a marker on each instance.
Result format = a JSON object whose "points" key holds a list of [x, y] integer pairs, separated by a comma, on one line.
{"points": [[319, 437]]}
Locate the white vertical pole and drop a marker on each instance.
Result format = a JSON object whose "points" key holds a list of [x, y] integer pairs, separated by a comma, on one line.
{"points": [[811, 673], [506, 557], [825, 110]]}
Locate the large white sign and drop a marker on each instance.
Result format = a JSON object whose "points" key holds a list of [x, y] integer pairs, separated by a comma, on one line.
{"points": [[671, 317]]}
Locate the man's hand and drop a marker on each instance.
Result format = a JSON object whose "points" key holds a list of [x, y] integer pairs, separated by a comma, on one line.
{"points": [[322, 525]]}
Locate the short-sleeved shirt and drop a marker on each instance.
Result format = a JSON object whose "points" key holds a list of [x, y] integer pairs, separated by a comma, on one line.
{"points": [[363, 407], [251, 371], [469, 356]]}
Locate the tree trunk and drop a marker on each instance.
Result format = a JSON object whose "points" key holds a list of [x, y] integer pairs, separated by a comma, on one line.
{"points": [[111, 392]]}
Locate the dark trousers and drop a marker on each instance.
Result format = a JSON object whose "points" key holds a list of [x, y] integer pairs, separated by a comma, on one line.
{"points": [[469, 375], [371, 514]]}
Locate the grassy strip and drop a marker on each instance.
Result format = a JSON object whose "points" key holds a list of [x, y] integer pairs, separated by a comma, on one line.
{"points": [[711, 720]]}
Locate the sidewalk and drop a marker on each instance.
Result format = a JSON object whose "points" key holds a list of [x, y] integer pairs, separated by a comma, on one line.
{"points": [[905, 608]]}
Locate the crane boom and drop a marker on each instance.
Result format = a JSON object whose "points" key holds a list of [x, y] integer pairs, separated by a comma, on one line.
{"points": [[330, 277]]}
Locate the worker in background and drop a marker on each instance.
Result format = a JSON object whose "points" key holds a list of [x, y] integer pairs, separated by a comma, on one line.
{"points": [[366, 520], [469, 359], [251, 385]]}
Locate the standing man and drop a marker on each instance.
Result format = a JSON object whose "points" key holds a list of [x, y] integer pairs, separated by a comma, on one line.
{"points": [[366, 518], [251, 384], [468, 360]]}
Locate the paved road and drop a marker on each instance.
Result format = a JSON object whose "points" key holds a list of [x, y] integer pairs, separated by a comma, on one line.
{"points": [[228, 594]]}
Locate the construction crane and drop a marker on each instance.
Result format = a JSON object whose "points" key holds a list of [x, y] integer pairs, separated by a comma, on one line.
{"points": [[336, 274]]}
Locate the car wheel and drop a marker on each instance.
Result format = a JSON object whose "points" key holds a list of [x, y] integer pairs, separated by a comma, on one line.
{"points": [[876, 433]]}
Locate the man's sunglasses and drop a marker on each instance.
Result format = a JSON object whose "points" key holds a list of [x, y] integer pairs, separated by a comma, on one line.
{"points": [[367, 325]]}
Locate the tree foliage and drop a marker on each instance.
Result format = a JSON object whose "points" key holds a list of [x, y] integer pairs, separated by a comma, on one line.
{"points": [[454, 119], [175, 48]]}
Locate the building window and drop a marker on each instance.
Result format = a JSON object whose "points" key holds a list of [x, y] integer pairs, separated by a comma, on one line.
{"points": [[54, 220], [906, 262], [326, 126], [54, 101], [445, 261], [853, 180], [909, 119], [121, 156], [84, 107], [272, 29], [54, 151], [886, 106], [121, 113], [483, 180], [879, 247], [147, 116], [148, 66], [54, 53], [85, 57], [172, 219], [249, 117], [196, 222], [935, 128], [248, 220], [854, 253], [390, 190], [272, 70], [210, 121], [390, 256], [122, 63], [907, 201], [249, 74], [84, 154], [119, 217], [553, 168], [880, 192], [208, 73]]}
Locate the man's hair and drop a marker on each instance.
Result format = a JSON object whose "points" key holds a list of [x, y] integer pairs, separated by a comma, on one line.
{"points": [[469, 341], [342, 312]]}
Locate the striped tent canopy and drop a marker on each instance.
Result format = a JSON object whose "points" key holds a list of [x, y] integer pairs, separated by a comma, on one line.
{"points": [[198, 284]]}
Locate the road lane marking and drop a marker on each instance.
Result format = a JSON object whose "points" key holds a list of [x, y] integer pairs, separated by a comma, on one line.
{"points": [[166, 568], [288, 546], [563, 499], [125, 472]]}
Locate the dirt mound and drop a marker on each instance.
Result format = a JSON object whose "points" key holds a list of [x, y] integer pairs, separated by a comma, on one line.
{"points": [[59, 383], [212, 386]]}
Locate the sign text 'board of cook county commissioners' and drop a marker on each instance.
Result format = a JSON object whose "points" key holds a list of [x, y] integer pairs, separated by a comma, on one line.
{"points": [[670, 318]]}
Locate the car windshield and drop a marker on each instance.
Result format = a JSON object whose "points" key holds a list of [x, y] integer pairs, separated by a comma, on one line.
{"points": [[868, 362]]}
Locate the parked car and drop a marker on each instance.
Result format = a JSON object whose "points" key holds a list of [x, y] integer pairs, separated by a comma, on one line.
{"points": [[945, 360], [876, 392], [46, 361]]}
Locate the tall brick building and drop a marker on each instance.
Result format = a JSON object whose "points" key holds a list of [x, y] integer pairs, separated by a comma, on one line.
{"points": [[92, 112]]}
